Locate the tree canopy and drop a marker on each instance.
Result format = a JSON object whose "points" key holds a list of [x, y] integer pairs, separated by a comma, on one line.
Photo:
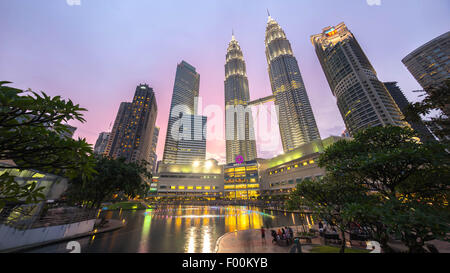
{"points": [[389, 182], [111, 176], [33, 134]]}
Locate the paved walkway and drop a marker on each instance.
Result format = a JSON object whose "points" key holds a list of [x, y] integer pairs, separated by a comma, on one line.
{"points": [[249, 241]]}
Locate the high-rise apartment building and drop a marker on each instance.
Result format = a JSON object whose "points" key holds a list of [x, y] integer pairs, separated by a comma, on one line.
{"points": [[430, 63], [240, 137], [296, 119], [118, 130], [132, 134], [183, 145], [362, 99], [101, 143], [137, 139]]}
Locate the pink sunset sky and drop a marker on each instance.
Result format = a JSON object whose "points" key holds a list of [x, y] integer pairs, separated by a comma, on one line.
{"points": [[98, 52]]}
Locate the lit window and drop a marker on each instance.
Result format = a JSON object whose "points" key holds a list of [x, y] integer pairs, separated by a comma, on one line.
{"points": [[181, 187]]}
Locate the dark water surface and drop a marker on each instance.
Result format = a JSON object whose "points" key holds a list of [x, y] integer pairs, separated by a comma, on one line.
{"points": [[188, 229]]}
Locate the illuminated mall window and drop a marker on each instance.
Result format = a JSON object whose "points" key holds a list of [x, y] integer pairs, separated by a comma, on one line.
{"points": [[181, 187], [296, 166], [207, 187], [305, 163], [173, 187], [198, 188], [311, 161], [190, 187]]}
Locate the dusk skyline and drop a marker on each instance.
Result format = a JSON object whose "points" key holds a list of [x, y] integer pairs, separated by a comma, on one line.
{"points": [[96, 53]]}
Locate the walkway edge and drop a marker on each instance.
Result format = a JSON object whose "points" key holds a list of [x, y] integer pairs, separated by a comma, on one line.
{"points": [[41, 244]]}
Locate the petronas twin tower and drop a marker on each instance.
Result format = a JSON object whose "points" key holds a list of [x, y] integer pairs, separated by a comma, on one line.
{"points": [[295, 117]]}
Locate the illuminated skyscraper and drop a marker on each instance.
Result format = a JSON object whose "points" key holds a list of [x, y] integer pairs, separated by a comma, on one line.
{"points": [[118, 130], [184, 145], [296, 119], [362, 99], [136, 141], [240, 138]]}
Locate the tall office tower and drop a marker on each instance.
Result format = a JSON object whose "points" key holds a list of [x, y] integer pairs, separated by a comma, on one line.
{"points": [[430, 63], [182, 111], [362, 99], [296, 119], [152, 156], [102, 141], [240, 137], [192, 147], [400, 99], [112, 148], [136, 142]]}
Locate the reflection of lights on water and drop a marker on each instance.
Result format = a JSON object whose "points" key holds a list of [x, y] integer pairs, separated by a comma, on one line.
{"points": [[191, 241], [206, 240], [239, 212], [145, 230]]}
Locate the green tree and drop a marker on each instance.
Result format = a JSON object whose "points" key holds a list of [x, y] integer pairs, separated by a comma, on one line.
{"points": [[328, 199], [404, 176], [32, 128], [437, 98], [112, 176]]}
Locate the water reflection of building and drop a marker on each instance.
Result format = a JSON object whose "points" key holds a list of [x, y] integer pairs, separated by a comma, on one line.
{"points": [[188, 181], [241, 180]]}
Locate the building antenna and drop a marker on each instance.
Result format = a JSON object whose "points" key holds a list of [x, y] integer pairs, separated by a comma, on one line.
{"points": [[268, 13]]}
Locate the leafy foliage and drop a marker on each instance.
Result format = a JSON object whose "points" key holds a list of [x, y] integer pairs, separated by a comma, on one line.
{"points": [[11, 191], [112, 176], [32, 128], [328, 199], [436, 98], [388, 182]]}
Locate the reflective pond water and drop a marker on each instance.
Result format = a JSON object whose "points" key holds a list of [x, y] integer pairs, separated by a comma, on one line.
{"points": [[189, 229]]}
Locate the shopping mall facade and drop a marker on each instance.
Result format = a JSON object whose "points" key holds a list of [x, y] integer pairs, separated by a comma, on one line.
{"points": [[251, 180]]}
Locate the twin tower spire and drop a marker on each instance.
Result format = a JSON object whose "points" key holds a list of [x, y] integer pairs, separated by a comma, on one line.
{"points": [[296, 120]]}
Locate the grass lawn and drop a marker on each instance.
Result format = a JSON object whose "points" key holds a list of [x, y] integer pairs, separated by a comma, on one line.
{"points": [[126, 205], [333, 249]]}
